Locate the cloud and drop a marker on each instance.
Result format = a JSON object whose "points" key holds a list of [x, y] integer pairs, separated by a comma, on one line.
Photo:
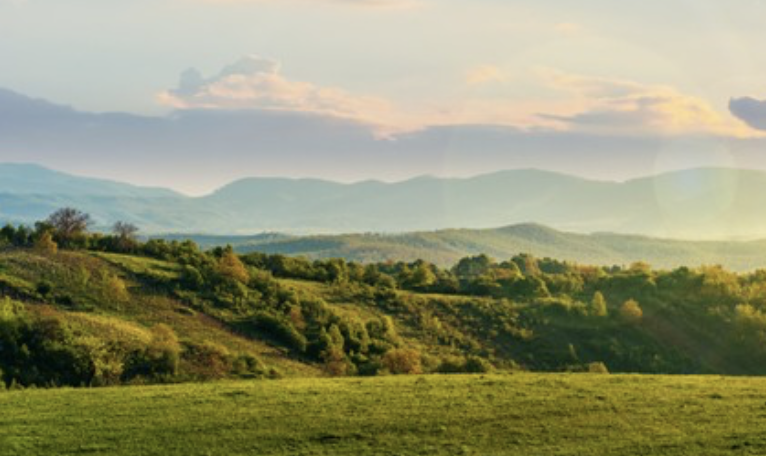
{"points": [[257, 83], [750, 111], [585, 104], [628, 107], [484, 74]]}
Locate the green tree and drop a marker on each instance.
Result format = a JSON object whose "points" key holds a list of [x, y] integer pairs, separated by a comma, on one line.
{"points": [[231, 267], [421, 276], [631, 311], [598, 305], [471, 267]]}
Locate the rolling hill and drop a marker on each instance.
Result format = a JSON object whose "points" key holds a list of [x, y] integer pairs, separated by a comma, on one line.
{"points": [[446, 247]]}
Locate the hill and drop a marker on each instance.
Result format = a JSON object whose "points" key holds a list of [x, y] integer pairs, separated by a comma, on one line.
{"points": [[117, 311], [531, 414], [446, 247], [708, 203]]}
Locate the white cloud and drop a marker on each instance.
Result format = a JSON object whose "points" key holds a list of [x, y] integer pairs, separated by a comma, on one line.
{"points": [[604, 105], [257, 83], [582, 103]]}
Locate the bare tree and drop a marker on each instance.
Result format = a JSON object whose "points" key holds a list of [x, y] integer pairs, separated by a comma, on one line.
{"points": [[125, 230], [69, 224], [126, 233]]}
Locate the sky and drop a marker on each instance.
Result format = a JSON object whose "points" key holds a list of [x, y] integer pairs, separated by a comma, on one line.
{"points": [[686, 72]]}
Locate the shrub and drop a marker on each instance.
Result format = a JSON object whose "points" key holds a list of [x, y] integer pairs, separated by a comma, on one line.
{"points": [[248, 366], [207, 360], [451, 365], [477, 365], [471, 364], [281, 330], [336, 363], [402, 361], [45, 244], [158, 360], [115, 288], [598, 368]]}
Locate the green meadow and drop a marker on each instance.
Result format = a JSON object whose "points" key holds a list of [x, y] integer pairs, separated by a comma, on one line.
{"points": [[530, 414]]}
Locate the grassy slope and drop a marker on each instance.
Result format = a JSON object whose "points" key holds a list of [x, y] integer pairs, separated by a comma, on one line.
{"points": [[531, 414], [82, 277]]}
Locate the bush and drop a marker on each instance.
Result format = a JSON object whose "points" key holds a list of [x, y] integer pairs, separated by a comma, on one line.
{"points": [[45, 244], [451, 365], [159, 360], [402, 361], [458, 365], [598, 368], [248, 366], [207, 360], [477, 365], [281, 330]]}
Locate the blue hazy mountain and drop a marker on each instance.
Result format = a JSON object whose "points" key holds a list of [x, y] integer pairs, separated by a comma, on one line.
{"points": [[694, 204]]}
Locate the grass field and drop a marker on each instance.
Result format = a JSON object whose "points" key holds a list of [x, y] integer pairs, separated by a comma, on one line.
{"points": [[529, 414]]}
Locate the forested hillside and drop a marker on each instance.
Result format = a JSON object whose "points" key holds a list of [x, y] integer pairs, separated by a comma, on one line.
{"points": [[88, 309]]}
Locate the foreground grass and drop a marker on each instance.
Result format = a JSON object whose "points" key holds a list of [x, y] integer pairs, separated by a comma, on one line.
{"points": [[531, 414]]}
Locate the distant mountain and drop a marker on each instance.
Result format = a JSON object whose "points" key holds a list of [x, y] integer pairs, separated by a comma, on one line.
{"points": [[27, 179], [446, 247], [699, 203], [29, 193], [705, 203]]}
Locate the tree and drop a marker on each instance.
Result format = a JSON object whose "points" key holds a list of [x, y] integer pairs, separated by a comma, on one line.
{"points": [[631, 312], [69, 225], [598, 305], [471, 267], [421, 276], [231, 267], [126, 234], [125, 230]]}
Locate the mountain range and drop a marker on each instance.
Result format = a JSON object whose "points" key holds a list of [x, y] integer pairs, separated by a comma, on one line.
{"points": [[704, 203]]}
